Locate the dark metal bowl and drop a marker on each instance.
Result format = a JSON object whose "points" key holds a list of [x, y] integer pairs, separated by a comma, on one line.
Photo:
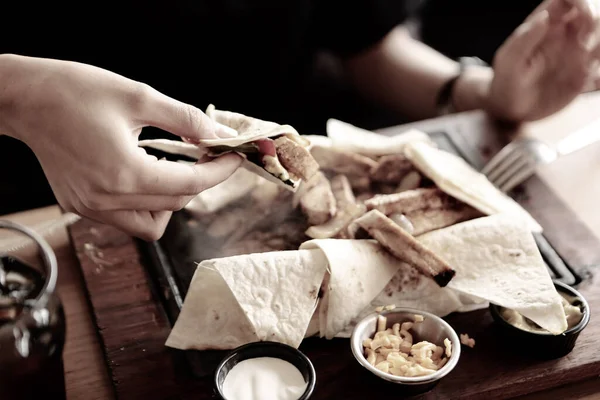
{"points": [[544, 345], [267, 349]]}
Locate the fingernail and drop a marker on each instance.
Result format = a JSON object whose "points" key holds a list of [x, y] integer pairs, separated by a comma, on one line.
{"points": [[542, 16], [190, 140], [539, 18], [224, 131]]}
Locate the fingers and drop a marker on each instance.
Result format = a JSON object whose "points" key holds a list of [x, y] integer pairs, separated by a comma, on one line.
{"points": [[141, 202], [527, 37], [145, 225], [176, 179], [156, 109]]}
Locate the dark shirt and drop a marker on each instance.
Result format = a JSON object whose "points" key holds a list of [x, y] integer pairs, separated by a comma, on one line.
{"points": [[255, 57], [459, 28]]}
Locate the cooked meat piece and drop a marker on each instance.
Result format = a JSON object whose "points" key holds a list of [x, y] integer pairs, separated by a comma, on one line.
{"points": [[411, 180], [431, 219], [408, 201], [343, 162], [318, 204], [359, 183], [405, 247], [383, 188], [338, 223], [347, 211], [403, 223], [305, 186], [342, 191], [391, 169], [361, 198], [296, 159]]}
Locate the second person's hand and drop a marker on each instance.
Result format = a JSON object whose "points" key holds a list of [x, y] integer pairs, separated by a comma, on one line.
{"points": [[83, 124]]}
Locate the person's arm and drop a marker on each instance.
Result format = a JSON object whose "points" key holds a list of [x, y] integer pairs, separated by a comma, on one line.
{"points": [[83, 124], [8, 69], [407, 76], [540, 68]]}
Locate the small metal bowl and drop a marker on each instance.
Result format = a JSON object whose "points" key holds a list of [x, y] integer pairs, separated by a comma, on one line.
{"points": [[544, 345], [267, 349], [433, 329]]}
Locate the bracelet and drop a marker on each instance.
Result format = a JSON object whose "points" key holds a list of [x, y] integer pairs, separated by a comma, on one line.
{"points": [[444, 102]]}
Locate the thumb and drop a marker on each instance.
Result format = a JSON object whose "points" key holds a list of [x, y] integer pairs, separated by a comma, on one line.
{"points": [[181, 119], [527, 37]]}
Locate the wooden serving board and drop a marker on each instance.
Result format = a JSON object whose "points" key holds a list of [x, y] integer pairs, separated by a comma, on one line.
{"points": [[133, 319]]}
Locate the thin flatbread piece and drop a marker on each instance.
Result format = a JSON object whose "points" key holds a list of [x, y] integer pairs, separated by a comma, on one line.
{"points": [[358, 272], [263, 296], [496, 258], [454, 176]]}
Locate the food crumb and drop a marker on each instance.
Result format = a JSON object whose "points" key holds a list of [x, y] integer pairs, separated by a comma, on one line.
{"points": [[466, 340], [419, 318], [389, 307]]}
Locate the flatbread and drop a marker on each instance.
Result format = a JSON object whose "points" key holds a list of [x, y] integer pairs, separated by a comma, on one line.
{"points": [[248, 128], [255, 297], [348, 137], [497, 258], [174, 147], [210, 317], [457, 178], [410, 289], [358, 271]]}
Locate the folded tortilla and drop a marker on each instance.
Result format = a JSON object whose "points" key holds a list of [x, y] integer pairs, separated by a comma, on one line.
{"points": [[248, 130], [454, 176], [350, 138], [358, 271], [497, 258], [256, 297], [408, 288]]}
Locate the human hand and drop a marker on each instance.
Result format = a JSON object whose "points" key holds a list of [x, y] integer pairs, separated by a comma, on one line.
{"points": [[83, 124], [546, 62]]}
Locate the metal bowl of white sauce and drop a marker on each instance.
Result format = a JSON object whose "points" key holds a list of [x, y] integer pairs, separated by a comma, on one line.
{"points": [[268, 370], [431, 329]]}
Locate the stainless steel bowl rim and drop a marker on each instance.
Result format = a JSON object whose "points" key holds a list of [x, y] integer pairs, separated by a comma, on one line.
{"points": [[49, 258], [357, 348]]}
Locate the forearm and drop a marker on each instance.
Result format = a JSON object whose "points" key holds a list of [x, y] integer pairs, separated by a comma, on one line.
{"points": [[407, 76], [8, 75]]}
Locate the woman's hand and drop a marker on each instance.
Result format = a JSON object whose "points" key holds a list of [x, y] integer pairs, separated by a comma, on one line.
{"points": [[83, 124], [546, 62]]}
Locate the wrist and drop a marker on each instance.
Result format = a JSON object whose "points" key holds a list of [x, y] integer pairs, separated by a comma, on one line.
{"points": [[472, 89]]}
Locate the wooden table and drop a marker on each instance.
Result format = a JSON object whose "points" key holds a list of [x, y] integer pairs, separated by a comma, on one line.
{"points": [[576, 179]]}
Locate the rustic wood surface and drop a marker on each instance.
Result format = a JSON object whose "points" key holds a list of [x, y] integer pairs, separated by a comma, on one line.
{"points": [[134, 326]]}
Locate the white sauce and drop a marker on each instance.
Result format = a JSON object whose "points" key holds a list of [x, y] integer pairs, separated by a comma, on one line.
{"points": [[264, 378]]}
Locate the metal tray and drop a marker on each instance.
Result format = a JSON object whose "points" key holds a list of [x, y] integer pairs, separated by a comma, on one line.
{"points": [[173, 258]]}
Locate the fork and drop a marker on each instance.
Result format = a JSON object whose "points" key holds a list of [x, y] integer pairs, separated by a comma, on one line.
{"points": [[518, 160]]}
